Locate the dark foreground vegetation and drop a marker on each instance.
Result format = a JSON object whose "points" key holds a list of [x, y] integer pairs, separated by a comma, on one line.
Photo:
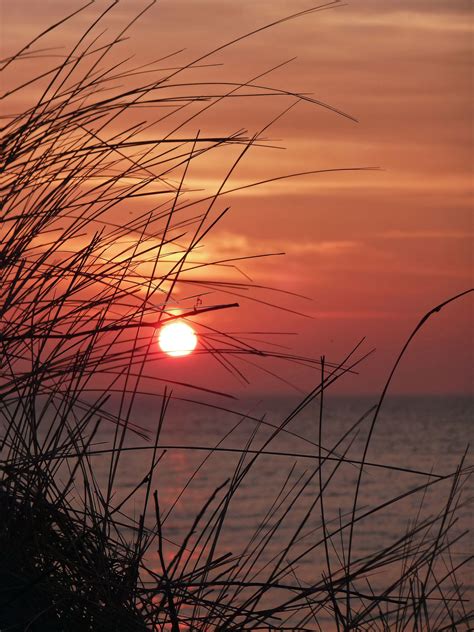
{"points": [[85, 284]]}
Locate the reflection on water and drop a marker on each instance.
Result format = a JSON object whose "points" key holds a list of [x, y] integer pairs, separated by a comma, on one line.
{"points": [[426, 436]]}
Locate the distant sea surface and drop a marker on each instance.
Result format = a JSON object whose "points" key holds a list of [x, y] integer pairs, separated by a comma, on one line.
{"points": [[427, 436]]}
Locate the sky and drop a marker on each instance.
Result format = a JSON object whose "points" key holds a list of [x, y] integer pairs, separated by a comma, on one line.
{"points": [[372, 251]]}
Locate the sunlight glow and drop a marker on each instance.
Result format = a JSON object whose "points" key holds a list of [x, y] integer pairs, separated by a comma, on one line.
{"points": [[177, 339]]}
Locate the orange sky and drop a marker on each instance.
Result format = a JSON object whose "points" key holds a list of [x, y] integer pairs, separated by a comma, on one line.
{"points": [[372, 250]]}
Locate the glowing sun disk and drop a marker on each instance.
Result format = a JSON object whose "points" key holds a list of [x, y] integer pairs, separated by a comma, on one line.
{"points": [[177, 339]]}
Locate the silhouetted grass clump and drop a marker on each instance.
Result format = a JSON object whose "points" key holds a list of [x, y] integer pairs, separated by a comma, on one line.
{"points": [[98, 233], [60, 573]]}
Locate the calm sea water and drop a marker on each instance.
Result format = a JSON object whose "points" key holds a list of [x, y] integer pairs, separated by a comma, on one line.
{"points": [[426, 435]]}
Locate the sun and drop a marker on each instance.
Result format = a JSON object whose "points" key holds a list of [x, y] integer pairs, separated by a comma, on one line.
{"points": [[177, 339]]}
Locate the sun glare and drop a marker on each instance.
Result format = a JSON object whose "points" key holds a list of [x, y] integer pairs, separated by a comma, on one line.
{"points": [[177, 339]]}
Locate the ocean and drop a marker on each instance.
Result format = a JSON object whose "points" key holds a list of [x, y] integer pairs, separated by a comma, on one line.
{"points": [[276, 511]]}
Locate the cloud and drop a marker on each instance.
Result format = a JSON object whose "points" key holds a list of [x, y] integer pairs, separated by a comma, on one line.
{"points": [[355, 315], [228, 245], [330, 248], [395, 19], [426, 234]]}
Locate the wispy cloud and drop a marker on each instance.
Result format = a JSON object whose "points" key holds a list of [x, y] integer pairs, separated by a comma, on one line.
{"points": [[457, 22], [355, 315], [426, 234], [234, 244]]}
